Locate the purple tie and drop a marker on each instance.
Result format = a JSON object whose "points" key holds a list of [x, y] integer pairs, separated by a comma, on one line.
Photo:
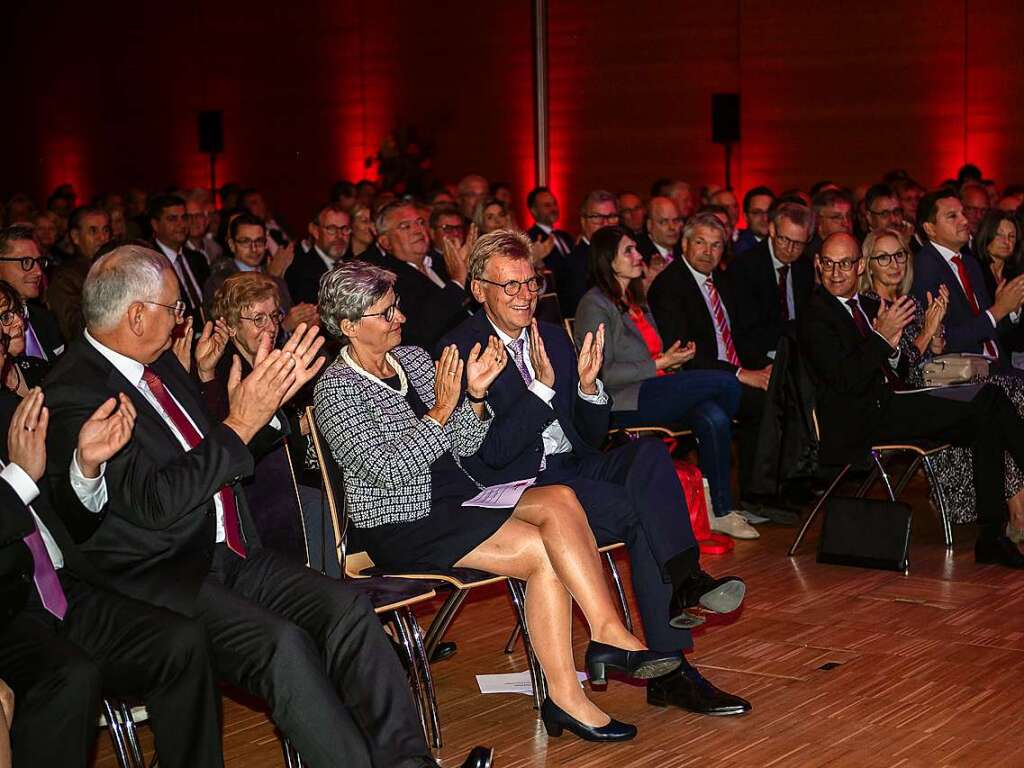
{"points": [[51, 595], [32, 346], [516, 347]]}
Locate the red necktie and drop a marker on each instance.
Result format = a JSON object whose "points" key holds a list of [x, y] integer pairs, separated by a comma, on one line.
{"points": [[965, 281], [722, 323], [783, 293], [232, 530]]}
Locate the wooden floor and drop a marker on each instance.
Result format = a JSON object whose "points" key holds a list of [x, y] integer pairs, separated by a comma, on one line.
{"points": [[844, 667]]}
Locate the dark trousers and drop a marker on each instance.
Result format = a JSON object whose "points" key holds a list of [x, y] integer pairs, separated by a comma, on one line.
{"points": [[314, 650], [705, 401], [111, 645], [752, 401], [632, 494], [988, 425]]}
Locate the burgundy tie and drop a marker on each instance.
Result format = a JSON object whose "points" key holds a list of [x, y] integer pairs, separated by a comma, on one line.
{"points": [[783, 293], [232, 530], [864, 329], [965, 281]]}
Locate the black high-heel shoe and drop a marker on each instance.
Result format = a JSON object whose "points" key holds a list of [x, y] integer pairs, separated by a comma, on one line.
{"points": [[639, 664], [557, 720]]}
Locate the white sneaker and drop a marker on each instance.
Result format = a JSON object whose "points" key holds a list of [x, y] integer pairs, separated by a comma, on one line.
{"points": [[734, 525]]}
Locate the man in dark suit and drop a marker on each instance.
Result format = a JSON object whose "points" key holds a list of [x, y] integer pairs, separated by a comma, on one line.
{"points": [[177, 532], [757, 205], [693, 300], [660, 244], [973, 319], [599, 209], [543, 207], [22, 266], [330, 231], [550, 417], [65, 637], [446, 223], [851, 345], [89, 230], [432, 304], [170, 233], [773, 280], [632, 214]]}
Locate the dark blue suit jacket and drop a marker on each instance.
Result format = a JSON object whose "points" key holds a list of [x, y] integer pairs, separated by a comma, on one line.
{"points": [[965, 332], [513, 447], [745, 242]]}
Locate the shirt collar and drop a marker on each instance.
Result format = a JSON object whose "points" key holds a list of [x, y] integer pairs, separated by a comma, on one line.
{"points": [[775, 260], [662, 249], [172, 255], [700, 277], [243, 267], [126, 366], [327, 260], [506, 339], [946, 253], [544, 228]]}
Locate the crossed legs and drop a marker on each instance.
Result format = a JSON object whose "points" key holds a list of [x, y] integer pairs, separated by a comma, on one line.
{"points": [[548, 543]]}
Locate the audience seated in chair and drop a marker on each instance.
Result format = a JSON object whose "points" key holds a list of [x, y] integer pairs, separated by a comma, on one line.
{"points": [[22, 267], [852, 345], [551, 415]]}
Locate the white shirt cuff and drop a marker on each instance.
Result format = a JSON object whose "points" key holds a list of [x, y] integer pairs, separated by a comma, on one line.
{"points": [[991, 318], [22, 484], [1014, 317], [543, 391], [91, 491], [274, 422], [599, 399]]}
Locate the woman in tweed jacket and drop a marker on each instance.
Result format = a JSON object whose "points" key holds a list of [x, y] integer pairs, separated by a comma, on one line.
{"points": [[396, 426]]}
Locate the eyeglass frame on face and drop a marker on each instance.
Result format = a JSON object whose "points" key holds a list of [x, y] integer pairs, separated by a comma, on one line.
{"points": [[884, 259], [406, 224], [334, 230], [42, 261], [388, 312], [11, 315], [889, 213], [178, 308], [250, 243], [789, 243], [607, 218], [538, 281], [259, 320], [451, 229], [828, 265]]}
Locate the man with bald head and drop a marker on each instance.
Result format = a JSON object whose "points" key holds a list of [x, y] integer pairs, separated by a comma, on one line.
{"points": [[471, 190], [661, 244], [851, 344]]}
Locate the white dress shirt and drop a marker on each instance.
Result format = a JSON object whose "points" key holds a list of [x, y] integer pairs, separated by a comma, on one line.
{"points": [[327, 260], [947, 255], [92, 492], [181, 268], [776, 265], [428, 270], [554, 437], [550, 232], [27, 491], [666, 253], [702, 283]]}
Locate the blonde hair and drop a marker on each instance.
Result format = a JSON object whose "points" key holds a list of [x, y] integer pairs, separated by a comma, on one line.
{"points": [[868, 249], [500, 242]]}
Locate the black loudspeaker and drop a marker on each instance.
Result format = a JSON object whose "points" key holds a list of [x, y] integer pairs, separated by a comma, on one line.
{"points": [[725, 118], [211, 131]]}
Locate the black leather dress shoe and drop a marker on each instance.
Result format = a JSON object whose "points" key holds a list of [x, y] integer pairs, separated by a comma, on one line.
{"points": [[443, 651], [687, 689], [1000, 551], [722, 595], [479, 757], [638, 664], [557, 720]]}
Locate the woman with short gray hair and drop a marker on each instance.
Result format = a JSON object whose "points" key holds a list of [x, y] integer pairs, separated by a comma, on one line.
{"points": [[397, 424]]}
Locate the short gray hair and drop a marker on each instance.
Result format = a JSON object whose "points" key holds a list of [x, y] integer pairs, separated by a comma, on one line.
{"points": [[799, 215], [348, 290], [596, 196], [117, 280], [385, 213], [708, 220]]}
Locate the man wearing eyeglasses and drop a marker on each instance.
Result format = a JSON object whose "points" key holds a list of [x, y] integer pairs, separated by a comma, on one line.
{"points": [[757, 205], [550, 417], [170, 232], [200, 239], [882, 208], [446, 223], [569, 272], [851, 344], [432, 304], [330, 231], [22, 266], [833, 212]]}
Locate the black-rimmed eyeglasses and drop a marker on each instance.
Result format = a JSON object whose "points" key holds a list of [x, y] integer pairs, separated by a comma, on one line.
{"points": [[27, 262], [884, 258], [388, 313]]}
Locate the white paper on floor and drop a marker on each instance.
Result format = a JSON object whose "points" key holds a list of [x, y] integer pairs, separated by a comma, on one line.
{"points": [[516, 682]]}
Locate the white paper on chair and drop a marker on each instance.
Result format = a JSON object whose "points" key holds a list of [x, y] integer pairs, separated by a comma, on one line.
{"points": [[516, 682], [500, 496]]}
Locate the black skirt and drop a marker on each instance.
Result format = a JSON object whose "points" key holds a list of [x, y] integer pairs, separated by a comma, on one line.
{"points": [[442, 538]]}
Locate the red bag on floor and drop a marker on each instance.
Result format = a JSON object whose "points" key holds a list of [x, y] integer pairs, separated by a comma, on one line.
{"points": [[692, 480]]}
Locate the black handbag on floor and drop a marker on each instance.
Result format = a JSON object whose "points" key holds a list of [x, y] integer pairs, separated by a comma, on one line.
{"points": [[865, 533]]}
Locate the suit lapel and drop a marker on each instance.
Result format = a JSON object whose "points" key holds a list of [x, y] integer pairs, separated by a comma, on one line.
{"points": [[705, 330]]}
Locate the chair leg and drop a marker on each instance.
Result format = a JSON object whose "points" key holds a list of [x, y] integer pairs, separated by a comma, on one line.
{"points": [[291, 755], [510, 646], [869, 481], [905, 477], [821, 502], [131, 734], [117, 736], [405, 641], [940, 498], [617, 579], [443, 619], [427, 680], [517, 590], [877, 458]]}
